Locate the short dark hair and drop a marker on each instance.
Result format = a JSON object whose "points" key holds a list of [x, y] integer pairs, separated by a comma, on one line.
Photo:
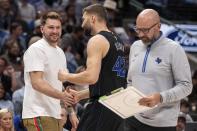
{"points": [[50, 15], [98, 10], [14, 26], [5, 60]]}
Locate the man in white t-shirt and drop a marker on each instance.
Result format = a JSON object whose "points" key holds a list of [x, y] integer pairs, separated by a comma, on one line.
{"points": [[43, 90]]}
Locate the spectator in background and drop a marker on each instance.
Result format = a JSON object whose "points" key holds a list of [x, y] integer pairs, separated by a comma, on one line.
{"points": [[3, 35], [193, 95], [27, 12], [4, 101], [181, 123], [7, 14], [79, 5], [37, 31], [7, 76], [131, 34], [71, 20], [113, 18], [6, 120], [14, 55], [74, 42], [64, 123], [185, 108], [60, 5], [17, 100], [63, 118], [70, 59], [42, 6], [15, 37], [18, 96], [33, 40], [37, 34]]}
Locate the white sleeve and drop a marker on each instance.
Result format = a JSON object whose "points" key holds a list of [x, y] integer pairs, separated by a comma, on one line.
{"points": [[34, 60]]}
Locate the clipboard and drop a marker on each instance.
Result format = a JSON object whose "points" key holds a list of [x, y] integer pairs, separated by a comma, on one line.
{"points": [[124, 102]]}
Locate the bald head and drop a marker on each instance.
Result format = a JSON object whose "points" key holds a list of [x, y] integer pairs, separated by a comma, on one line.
{"points": [[148, 25], [148, 16]]}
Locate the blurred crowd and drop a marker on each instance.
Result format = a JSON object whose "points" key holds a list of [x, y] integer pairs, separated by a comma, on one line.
{"points": [[20, 27]]}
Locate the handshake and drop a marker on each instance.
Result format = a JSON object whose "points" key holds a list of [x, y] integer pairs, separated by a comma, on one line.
{"points": [[70, 96]]}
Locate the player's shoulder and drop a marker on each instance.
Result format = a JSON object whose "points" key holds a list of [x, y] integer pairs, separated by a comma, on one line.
{"points": [[98, 38]]}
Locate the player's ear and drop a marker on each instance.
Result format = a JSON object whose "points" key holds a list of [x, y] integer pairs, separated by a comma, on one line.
{"points": [[93, 18], [41, 28]]}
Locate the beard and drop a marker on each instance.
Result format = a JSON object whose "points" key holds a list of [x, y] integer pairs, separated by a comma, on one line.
{"points": [[87, 28], [145, 39], [52, 38], [87, 31]]}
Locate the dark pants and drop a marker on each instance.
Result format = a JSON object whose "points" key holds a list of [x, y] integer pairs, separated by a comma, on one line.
{"points": [[132, 124], [96, 117]]}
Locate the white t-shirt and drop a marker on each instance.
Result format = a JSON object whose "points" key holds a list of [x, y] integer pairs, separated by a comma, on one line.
{"points": [[40, 56]]}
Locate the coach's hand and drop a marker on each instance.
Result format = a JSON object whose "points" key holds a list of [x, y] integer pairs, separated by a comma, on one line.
{"points": [[150, 101]]}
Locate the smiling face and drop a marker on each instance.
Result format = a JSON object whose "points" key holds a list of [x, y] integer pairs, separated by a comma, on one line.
{"points": [[51, 27], [51, 30]]}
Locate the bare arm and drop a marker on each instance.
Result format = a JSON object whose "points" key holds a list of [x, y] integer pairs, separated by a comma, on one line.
{"points": [[39, 84], [80, 95], [84, 94], [96, 50]]}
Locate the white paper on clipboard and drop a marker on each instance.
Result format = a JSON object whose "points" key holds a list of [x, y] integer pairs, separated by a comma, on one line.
{"points": [[124, 102]]}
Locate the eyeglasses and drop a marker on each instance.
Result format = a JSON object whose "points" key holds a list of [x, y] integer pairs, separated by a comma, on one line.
{"points": [[144, 30]]}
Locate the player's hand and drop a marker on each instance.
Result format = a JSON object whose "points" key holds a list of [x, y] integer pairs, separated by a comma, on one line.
{"points": [[68, 99], [62, 75], [75, 94], [150, 101]]}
